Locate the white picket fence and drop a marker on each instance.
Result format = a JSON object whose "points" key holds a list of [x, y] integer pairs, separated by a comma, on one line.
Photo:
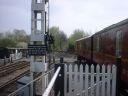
{"points": [[83, 83], [16, 56]]}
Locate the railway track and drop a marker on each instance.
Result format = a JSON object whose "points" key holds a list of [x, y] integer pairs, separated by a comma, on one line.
{"points": [[14, 77], [5, 70], [13, 72]]}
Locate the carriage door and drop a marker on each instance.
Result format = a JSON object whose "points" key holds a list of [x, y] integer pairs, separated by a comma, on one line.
{"points": [[119, 43], [102, 47]]}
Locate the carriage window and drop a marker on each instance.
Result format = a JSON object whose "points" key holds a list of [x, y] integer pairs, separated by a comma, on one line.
{"points": [[80, 46], [86, 45], [97, 44], [77, 46], [119, 43], [102, 43]]}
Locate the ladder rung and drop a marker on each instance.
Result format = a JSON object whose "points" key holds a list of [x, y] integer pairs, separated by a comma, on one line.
{"points": [[37, 19], [36, 29]]}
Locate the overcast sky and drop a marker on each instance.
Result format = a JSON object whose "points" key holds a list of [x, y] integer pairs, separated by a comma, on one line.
{"points": [[89, 15]]}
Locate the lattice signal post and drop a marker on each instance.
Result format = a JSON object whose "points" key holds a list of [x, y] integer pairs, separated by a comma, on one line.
{"points": [[39, 27]]}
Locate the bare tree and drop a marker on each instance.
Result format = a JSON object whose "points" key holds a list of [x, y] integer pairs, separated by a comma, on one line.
{"points": [[1, 35], [63, 40], [60, 38]]}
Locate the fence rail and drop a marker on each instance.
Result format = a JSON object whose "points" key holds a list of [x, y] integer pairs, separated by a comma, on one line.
{"points": [[47, 91], [16, 56]]}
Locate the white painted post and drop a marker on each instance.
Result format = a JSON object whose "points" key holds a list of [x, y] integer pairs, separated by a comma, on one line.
{"points": [[86, 79], [108, 80], [92, 80], [70, 80], [21, 54], [81, 80], [16, 53], [43, 32], [97, 79], [103, 80], [76, 79]]}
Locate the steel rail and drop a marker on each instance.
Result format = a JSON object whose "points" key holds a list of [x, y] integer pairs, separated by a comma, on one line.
{"points": [[47, 91], [13, 67], [31, 82], [15, 78]]}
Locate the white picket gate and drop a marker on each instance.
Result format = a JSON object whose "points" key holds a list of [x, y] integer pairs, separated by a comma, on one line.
{"points": [[88, 83]]}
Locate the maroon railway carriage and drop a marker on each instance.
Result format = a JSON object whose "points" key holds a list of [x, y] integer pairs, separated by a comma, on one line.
{"points": [[83, 49], [107, 45]]}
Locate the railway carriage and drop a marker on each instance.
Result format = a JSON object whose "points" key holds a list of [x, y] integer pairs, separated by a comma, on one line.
{"points": [[84, 49], [106, 46]]}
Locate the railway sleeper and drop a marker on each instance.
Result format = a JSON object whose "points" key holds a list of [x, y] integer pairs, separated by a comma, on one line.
{"points": [[12, 70]]}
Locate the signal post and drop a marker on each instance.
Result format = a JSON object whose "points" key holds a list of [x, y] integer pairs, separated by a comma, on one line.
{"points": [[37, 47]]}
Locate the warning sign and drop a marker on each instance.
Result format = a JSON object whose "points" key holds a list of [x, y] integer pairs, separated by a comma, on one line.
{"points": [[37, 50]]}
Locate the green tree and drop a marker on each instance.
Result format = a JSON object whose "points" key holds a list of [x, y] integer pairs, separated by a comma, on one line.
{"points": [[22, 45], [8, 35], [60, 38], [17, 38], [1, 35], [19, 34], [63, 40], [77, 34], [5, 42], [55, 32]]}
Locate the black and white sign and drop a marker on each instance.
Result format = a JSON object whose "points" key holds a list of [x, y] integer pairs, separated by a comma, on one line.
{"points": [[37, 50]]}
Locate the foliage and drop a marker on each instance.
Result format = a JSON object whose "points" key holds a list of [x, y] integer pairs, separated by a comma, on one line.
{"points": [[77, 34], [60, 37], [63, 40], [17, 38], [5, 42], [1, 35], [22, 45]]}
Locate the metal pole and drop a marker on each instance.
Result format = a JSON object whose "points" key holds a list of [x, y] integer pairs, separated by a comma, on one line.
{"points": [[118, 77], [47, 91]]}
